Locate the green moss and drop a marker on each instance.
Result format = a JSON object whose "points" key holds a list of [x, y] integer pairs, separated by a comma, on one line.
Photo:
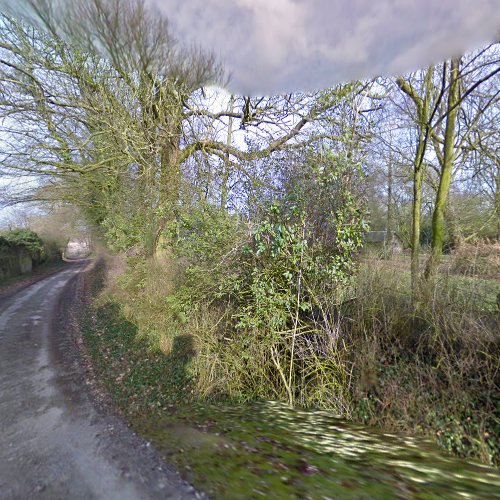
{"points": [[140, 376]]}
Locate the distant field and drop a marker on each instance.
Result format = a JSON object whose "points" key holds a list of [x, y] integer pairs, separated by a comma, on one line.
{"points": [[481, 291]]}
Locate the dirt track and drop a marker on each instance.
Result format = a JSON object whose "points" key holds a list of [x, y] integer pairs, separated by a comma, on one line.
{"points": [[54, 442]]}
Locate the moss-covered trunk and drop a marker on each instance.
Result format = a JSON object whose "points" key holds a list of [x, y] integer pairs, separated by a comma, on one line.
{"points": [[448, 159], [416, 214], [423, 126], [169, 137]]}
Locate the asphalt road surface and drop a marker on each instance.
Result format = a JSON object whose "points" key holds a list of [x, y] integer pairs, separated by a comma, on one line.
{"points": [[55, 443]]}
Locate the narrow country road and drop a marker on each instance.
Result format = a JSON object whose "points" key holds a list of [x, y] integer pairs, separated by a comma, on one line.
{"points": [[54, 442]]}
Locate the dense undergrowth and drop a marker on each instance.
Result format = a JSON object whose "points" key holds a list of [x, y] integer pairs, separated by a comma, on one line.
{"points": [[277, 303], [21, 250], [377, 360]]}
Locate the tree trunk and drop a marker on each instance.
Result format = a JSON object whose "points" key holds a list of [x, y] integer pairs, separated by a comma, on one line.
{"points": [[449, 154], [422, 106], [390, 209], [170, 169], [225, 174], [416, 216]]}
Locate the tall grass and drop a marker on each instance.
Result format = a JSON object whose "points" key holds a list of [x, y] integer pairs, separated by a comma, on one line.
{"points": [[432, 368]]}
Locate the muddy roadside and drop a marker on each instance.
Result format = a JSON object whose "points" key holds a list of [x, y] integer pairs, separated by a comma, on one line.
{"points": [[135, 456], [13, 285]]}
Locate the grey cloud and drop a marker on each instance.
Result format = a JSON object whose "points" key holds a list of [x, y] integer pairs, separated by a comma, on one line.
{"points": [[271, 46], [281, 45]]}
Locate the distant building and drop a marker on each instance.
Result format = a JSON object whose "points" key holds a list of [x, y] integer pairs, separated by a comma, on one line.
{"points": [[380, 240], [78, 248]]}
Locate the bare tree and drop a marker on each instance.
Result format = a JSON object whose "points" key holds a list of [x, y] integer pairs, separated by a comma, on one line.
{"points": [[110, 110]]}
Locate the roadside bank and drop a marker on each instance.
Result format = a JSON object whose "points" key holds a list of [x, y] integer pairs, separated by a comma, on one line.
{"points": [[260, 449]]}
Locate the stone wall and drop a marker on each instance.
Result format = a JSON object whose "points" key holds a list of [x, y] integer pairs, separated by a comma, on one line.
{"points": [[14, 260]]}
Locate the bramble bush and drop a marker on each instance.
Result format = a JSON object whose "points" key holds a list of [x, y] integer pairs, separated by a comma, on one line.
{"points": [[272, 287]]}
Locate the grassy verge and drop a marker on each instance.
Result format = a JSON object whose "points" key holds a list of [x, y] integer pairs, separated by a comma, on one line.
{"points": [[143, 378], [429, 373], [263, 449], [432, 369]]}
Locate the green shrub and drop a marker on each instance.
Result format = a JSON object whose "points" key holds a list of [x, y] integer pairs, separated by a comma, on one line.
{"points": [[272, 287], [27, 239]]}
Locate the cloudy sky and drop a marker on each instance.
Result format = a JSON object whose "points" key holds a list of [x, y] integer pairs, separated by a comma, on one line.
{"points": [[274, 46]]}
